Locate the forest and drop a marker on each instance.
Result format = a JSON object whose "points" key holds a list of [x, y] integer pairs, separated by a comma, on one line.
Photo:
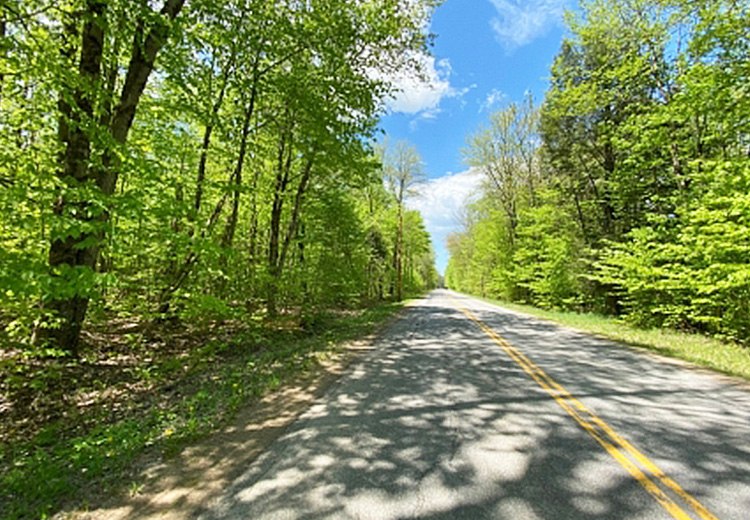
{"points": [[201, 160], [625, 191], [196, 205]]}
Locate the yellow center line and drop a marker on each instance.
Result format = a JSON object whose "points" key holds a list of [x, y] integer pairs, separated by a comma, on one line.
{"points": [[618, 447]]}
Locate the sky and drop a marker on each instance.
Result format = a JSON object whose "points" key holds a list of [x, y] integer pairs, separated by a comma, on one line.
{"points": [[487, 53]]}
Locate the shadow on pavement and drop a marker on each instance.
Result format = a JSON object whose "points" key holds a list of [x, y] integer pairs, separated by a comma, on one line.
{"points": [[439, 423]]}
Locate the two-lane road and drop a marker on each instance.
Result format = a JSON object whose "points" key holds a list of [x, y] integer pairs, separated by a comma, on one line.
{"points": [[466, 410]]}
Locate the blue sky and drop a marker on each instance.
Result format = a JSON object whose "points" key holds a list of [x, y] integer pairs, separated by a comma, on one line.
{"points": [[487, 54]]}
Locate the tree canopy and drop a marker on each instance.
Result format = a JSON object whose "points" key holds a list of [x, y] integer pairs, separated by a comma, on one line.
{"points": [[633, 201], [198, 159]]}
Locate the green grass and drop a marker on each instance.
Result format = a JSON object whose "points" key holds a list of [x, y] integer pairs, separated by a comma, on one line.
{"points": [[41, 474], [725, 357]]}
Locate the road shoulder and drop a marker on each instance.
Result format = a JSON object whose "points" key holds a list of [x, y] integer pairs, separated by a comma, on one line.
{"points": [[176, 488]]}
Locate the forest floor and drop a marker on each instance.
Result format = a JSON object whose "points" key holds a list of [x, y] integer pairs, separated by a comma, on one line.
{"points": [[72, 432], [723, 356]]}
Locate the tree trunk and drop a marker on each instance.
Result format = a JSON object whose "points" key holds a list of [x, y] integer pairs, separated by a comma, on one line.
{"points": [[399, 254], [301, 247], [282, 181], [75, 172], [253, 249], [67, 251], [2, 43], [207, 133], [227, 237], [182, 273], [229, 231], [296, 210]]}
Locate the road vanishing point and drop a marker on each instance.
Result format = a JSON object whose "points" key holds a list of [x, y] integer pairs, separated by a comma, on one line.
{"points": [[466, 410]]}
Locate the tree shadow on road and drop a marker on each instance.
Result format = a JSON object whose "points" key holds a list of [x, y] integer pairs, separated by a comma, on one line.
{"points": [[440, 423]]}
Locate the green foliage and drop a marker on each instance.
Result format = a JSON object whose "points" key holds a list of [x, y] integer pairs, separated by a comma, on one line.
{"points": [[235, 185], [639, 204], [42, 473], [547, 262], [691, 273], [171, 163]]}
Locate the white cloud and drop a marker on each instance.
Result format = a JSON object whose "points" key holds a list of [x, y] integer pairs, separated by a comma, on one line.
{"points": [[520, 22], [440, 201], [494, 98], [421, 94], [426, 115]]}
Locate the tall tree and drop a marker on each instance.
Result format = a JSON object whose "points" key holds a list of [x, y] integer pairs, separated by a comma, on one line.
{"points": [[193, 160], [505, 151], [404, 172], [74, 250], [640, 209]]}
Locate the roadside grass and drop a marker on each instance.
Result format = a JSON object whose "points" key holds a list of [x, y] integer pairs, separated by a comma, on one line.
{"points": [[190, 394], [722, 356]]}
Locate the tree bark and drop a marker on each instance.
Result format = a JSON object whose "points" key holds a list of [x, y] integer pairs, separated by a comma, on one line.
{"points": [[182, 272], [68, 251], [203, 160], [282, 180], [296, 210], [3, 28], [75, 172], [400, 254], [229, 231]]}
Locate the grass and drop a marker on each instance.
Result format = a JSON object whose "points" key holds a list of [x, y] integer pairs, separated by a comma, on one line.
{"points": [[728, 358], [192, 393]]}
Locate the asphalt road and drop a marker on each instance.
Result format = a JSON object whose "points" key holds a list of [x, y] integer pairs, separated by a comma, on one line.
{"points": [[443, 421]]}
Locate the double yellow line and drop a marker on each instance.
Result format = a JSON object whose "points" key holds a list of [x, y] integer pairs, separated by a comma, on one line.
{"points": [[635, 462]]}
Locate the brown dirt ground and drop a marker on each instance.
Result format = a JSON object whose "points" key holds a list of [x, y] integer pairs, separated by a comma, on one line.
{"points": [[175, 489]]}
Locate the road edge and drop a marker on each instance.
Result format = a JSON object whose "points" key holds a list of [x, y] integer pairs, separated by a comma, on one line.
{"points": [[177, 488]]}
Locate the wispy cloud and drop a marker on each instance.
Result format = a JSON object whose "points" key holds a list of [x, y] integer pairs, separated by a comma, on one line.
{"points": [[440, 202], [520, 22], [425, 115], [494, 98]]}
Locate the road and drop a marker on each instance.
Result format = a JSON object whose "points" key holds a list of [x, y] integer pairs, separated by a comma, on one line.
{"points": [[466, 410]]}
